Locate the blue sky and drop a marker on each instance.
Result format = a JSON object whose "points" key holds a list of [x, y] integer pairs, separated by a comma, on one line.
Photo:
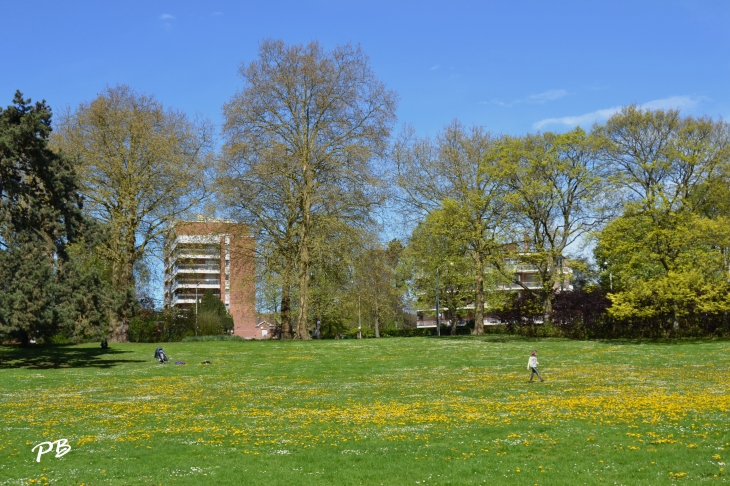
{"points": [[511, 66]]}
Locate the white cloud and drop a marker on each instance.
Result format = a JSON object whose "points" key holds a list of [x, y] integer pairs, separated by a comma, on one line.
{"points": [[540, 98], [571, 121], [166, 16], [672, 102], [437, 66], [550, 95], [494, 101]]}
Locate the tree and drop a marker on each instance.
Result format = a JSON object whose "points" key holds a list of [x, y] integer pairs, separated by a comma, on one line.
{"points": [[44, 288], [456, 173], [140, 167], [671, 273], [334, 250], [306, 128], [433, 251], [380, 294], [555, 192], [212, 317], [661, 162], [669, 250], [262, 195]]}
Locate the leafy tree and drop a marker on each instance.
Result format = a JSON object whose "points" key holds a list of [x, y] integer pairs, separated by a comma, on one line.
{"points": [[555, 192], [668, 273], [431, 252], [662, 163], [379, 290], [262, 195], [335, 249], [301, 140], [140, 167], [668, 254], [45, 286], [456, 173]]}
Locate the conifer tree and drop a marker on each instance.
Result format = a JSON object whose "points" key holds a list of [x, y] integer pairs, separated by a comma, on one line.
{"points": [[41, 225]]}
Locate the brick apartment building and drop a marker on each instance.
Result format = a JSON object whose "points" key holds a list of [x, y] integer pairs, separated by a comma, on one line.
{"points": [[216, 255]]}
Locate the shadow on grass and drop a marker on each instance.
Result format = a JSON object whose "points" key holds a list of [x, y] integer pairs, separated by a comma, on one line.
{"points": [[61, 356]]}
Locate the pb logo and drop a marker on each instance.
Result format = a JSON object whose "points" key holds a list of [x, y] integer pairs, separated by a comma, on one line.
{"points": [[62, 448]]}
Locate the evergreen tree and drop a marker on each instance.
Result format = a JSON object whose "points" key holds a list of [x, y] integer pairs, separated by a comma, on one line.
{"points": [[213, 317], [42, 289]]}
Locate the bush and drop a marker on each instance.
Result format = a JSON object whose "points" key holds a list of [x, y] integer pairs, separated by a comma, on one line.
{"points": [[221, 337], [156, 327], [142, 329], [407, 332], [209, 324]]}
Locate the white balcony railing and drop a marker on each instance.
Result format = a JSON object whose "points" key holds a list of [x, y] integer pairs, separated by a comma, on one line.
{"points": [[196, 267]]}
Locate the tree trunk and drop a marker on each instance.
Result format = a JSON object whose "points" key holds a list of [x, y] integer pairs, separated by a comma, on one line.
{"points": [[124, 283], [24, 338], [548, 316], [119, 332], [479, 295], [286, 329], [304, 263], [302, 331], [548, 289], [377, 327]]}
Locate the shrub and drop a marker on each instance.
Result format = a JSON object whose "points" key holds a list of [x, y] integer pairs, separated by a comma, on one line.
{"points": [[221, 337], [142, 329]]}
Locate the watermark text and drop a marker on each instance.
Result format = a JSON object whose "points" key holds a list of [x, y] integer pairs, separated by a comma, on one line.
{"points": [[62, 448]]}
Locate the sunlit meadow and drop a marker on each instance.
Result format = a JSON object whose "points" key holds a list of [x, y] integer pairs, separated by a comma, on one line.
{"points": [[415, 411]]}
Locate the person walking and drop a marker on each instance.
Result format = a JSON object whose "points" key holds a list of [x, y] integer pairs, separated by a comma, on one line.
{"points": [[532, 365]]}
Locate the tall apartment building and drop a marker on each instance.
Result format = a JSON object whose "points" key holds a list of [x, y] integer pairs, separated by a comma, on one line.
{"points": [[216, 255]]}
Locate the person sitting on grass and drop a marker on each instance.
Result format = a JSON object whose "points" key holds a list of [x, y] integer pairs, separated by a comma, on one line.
{"points": [[532, 365]]}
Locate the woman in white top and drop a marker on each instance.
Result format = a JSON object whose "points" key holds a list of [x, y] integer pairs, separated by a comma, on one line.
{"points": [[532, 365]]}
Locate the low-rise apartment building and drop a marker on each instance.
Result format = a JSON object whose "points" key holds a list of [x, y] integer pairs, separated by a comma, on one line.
{"points": [[526, 278]]}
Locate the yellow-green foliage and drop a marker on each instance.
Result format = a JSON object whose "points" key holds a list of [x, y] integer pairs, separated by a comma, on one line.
{"points": [[658, 271]]}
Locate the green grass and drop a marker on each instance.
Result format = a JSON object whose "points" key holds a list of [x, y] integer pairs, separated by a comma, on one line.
{"points": [[416, 411]]}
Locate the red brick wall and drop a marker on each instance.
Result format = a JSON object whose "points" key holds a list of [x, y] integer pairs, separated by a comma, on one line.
{"points": [[243, 288]]}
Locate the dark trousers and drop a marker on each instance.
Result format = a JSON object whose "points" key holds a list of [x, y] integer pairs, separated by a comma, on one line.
{"points": [[535, 372]]}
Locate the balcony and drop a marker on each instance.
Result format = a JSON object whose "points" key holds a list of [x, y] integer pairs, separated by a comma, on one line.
{"points": [[196, 267], [198, 281], [516, 286], [188, 298], [522, 268], [197, 253]]}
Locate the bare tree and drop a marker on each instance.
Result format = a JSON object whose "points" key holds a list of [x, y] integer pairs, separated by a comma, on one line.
{"points": [[306, 128]]}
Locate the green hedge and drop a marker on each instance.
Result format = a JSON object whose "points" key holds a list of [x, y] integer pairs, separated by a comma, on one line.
{"points": [[222, 337]]}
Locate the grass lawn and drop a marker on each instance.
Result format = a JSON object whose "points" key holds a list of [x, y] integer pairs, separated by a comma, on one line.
{"points": [[416, 411]]}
